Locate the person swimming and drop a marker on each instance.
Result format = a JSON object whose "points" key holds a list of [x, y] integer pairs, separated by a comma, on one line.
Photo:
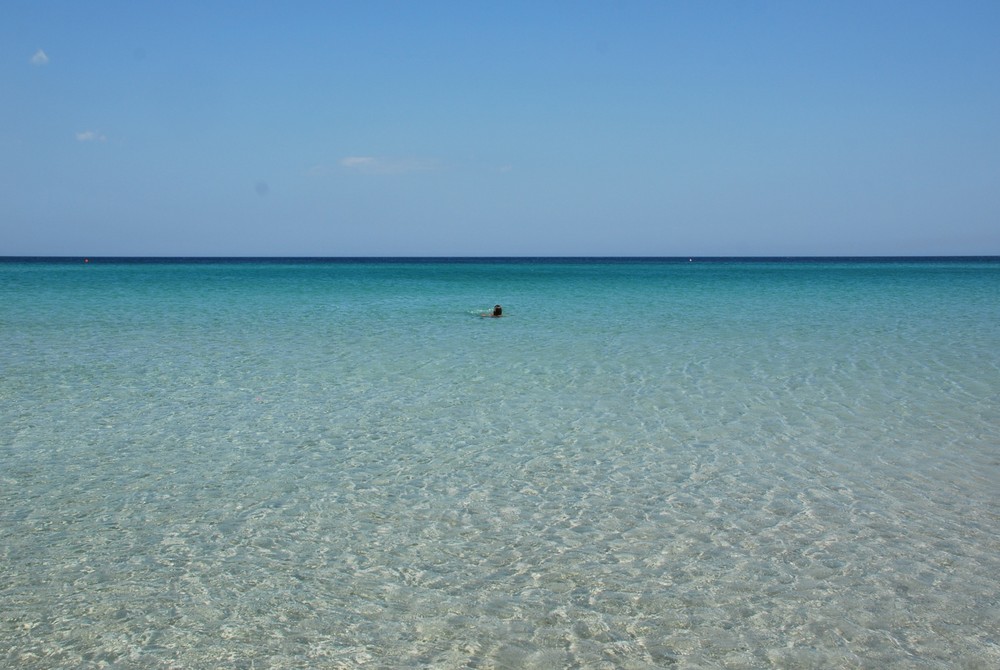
{"points": [[497, 312]]}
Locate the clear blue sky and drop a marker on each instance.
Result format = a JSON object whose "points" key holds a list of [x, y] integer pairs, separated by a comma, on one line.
{"points": [[499, 128]]}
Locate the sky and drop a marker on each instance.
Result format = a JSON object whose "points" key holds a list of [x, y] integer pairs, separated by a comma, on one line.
{"points": [[507, 128]]}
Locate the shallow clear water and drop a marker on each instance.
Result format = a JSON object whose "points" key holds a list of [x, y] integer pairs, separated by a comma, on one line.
{"points": [[643, 465]]}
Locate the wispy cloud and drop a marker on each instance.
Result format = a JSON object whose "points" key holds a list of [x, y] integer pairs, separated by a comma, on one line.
{"points": [[91, 136], [40, 58], [358, 162], [377, 165], [319, 170]]}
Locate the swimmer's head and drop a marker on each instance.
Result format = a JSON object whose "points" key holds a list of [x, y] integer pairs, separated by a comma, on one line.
{"points": [[497, 310]]}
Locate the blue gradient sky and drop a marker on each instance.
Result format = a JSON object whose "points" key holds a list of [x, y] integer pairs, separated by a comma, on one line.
{"points": [[499, 128]]}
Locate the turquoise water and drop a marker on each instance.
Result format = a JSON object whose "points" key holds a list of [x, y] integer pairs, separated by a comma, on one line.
{"points": [[642, 465]]}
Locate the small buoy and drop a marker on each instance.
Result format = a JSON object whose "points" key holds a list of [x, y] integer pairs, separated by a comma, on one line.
{"points": [[86, 260]]}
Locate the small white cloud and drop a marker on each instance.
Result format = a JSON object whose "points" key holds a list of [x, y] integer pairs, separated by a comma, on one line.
{"points": [[40, 58], [358, 161], [91, 136], [373, 165]]}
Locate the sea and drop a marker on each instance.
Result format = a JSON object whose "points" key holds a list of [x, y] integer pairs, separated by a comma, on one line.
{"points": [[644, 463]]}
